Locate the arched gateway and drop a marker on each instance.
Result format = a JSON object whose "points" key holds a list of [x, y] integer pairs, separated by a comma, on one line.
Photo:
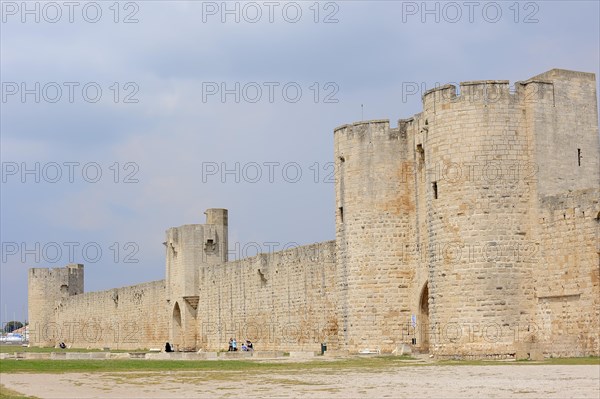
{"points": [[176, 327]]}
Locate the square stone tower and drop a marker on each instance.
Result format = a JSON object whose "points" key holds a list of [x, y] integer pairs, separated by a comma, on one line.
{"points": [[46, 288], [188, 249]]}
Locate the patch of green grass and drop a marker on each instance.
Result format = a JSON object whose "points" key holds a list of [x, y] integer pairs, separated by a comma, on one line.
{"points": [[573, 360], [121, 365], [364, 364], [6, 393]]}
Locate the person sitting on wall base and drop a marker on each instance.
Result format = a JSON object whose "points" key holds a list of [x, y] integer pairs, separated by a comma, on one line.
{"points": [[62, 345], [168, 347]]}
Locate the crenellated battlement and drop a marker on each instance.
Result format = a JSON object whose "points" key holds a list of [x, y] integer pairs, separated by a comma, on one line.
{"points": [[379, 128], [486, 91], [489, 92], [360, 125], [478, 91], [446, 92]]}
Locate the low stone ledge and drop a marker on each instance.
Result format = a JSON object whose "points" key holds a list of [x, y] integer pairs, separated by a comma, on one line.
{"points": [[235, 355], [77, 356], [155, 356], [99, 355], [118, 355], [182, 356], [158, 356], [199, 356], [12, 355], [35, 355]]}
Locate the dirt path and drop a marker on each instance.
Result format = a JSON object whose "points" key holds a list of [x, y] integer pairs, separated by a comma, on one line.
{"points": [[510, 381]]}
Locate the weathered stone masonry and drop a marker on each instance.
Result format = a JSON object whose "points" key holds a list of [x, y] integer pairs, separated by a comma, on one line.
{"points": [[469, 230]]}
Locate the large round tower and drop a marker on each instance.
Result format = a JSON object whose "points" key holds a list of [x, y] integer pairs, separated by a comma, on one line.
{"points": [[476, 186], [373, 228]]}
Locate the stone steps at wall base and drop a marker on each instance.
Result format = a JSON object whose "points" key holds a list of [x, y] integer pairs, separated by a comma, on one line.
{"points": [[182, 356], [267, 354]]}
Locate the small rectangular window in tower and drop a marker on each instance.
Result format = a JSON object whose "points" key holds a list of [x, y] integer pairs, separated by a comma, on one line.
{"points": [[579, 156], [341, 209], [435, 190], [210, 246]]}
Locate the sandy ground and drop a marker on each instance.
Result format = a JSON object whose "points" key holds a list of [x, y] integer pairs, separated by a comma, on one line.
{"points": [[502, 381]]}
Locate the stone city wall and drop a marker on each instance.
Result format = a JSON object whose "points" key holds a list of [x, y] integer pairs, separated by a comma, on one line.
{"points": [[133, 317], [280, 301]]}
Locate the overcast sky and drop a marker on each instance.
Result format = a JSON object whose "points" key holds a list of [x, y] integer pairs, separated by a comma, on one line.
{"points": [[119, 121]]}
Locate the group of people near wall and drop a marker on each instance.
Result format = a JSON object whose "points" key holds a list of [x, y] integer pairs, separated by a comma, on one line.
{"points": [[233, 346], [246, 346]]}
